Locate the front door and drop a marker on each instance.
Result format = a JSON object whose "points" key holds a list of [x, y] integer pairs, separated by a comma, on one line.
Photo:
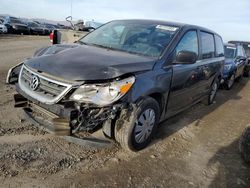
{"points": [[186, 77]]}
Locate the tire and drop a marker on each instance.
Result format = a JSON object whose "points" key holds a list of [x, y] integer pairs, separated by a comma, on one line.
{"points": [[10, 30], [129, 127], [212, 93], [230, 82], [244, 145]]}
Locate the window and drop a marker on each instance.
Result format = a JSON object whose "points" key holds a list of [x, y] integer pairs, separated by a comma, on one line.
{"points": [[219, 46], [247, 49], [147, 39], [241, 51], [207, 42], [230, 52], [189, 42]]}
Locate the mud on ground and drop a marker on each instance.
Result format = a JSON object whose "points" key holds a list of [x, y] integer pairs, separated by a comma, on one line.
{"points": [[197, 148]]}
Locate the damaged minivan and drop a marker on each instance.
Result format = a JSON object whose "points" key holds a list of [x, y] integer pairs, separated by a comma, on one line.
{"points": [[124, 78]]}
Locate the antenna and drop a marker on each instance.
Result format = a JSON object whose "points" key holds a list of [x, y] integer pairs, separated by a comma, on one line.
{"points": [[71, 8]]}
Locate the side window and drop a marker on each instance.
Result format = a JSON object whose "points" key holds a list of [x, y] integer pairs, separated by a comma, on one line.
{"points": [[207, 48], [189, 42], [241, 51], [219, 46]]}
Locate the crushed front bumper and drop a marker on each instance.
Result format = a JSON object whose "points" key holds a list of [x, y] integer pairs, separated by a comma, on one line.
{"points": [[61, 118]]}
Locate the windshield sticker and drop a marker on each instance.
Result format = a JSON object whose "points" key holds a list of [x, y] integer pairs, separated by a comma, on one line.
{"points": [[167, 28]]}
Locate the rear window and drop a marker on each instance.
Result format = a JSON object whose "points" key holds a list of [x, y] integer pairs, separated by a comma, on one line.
{"points": [[219, 46], [208, 47]]}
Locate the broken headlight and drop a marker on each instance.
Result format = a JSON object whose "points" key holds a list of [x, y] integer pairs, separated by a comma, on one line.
{"points": [[104, 93]]}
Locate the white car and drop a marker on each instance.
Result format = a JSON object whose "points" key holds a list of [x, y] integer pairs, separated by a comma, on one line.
{"points": [[3, 28]]}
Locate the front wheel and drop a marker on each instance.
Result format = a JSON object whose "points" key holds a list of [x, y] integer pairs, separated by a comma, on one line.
{"points": [[230, 82], [136, 127], [212, 93]]}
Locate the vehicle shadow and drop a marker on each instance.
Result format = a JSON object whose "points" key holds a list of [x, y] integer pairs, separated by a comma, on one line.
{"points": [[232, 170], [196, 112]]}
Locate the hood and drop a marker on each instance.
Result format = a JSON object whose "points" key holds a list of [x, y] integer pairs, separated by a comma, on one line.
{"points": [[82, 62]]}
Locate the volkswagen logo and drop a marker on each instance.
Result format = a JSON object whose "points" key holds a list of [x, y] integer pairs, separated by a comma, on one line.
{"points": [[34, 83]]}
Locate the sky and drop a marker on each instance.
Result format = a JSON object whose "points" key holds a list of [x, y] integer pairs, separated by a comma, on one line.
{"points": [[229, 18]]}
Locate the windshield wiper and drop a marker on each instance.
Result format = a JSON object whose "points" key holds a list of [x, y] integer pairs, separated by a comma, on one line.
{"points": [[106, 47], [82, 43]]}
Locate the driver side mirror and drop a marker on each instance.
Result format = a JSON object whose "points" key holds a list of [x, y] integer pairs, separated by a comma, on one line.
{"points": [[186, 57]]}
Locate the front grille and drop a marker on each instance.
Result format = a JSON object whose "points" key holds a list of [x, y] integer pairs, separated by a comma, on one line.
{"points": [[47, 90]]}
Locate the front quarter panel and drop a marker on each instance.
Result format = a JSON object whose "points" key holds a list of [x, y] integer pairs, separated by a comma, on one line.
{"points": [[152, 82]]}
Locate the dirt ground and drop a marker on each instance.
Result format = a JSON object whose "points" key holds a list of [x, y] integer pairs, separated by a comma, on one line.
{"points": [[197, 148]]}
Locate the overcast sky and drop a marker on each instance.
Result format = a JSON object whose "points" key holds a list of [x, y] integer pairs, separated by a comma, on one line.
{"points": [[230, 18]]}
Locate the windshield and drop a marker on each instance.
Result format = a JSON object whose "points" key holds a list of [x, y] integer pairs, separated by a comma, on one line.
{"points": [[132, 37], [14, 20], [230, 52], [33, 24]]}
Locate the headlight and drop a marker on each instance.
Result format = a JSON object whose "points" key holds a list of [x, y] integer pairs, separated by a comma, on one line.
{"points": [[227, 67], [103, 94]]}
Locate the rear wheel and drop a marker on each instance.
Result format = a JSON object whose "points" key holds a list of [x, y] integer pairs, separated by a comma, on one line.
{"points": [[135, 129]]}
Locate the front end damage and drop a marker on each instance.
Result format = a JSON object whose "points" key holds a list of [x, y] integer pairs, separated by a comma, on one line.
{"points": [[64, 117]]}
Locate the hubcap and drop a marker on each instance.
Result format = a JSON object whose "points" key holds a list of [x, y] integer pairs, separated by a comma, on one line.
{"points": [[231, 81], [213, 92], [144, 125]]}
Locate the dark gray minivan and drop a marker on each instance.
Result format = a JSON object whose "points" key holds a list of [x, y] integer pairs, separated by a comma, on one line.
{"points": [[125, 77]]}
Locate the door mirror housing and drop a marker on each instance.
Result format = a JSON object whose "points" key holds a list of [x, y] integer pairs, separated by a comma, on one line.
{"points": [[186, 57]]}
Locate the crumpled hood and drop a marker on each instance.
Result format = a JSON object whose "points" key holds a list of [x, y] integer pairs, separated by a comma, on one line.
{"points": [[82, 62]]}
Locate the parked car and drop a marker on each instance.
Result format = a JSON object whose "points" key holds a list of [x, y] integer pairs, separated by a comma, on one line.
{"points": [[125, 77], [3, 28], [46, 30], [35, 28], [15, 25], [246, 46], [234, 64], [50, 27]]}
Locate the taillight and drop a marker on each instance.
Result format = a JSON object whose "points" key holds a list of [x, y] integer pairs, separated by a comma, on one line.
{"points": [[51, 36]]}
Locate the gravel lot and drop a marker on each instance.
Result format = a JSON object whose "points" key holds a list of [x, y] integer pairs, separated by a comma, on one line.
{"points": [[197, 148]]}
